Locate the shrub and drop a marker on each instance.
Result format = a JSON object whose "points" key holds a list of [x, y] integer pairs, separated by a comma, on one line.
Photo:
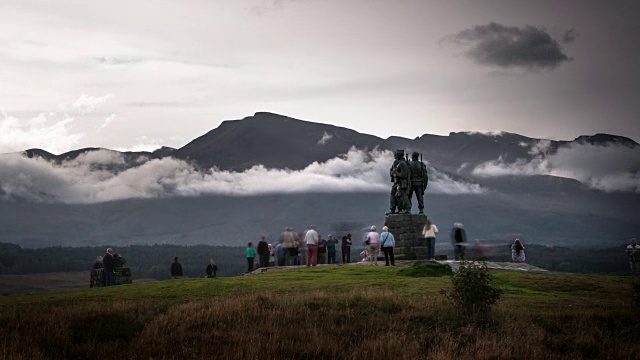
{"points": [[473, 292], [429, 269]]}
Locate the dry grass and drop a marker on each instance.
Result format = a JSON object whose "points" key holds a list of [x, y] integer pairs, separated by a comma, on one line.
{"points": [[320, 324]]}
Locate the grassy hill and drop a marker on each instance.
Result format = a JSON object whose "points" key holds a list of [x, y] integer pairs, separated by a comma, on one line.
{"points": [[324, 313]]}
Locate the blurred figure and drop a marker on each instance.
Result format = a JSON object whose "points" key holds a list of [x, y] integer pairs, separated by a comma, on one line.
{"points": [[322, 250], [288, 239], [98, 264], [96, 277], [346, 248], [176, 268], [212, 269], [331, 249], [517, 251], [373, 242], [107, 262], [364, 254], [429, 232], [272, 254], [311, 238], [387, 243], [633, 252], [281, 254], [263, 252], [251, 254], [458, 239]]}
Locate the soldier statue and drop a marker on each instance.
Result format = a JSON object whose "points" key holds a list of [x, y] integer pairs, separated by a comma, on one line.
{"points": [[419, 180], [400, 177]]}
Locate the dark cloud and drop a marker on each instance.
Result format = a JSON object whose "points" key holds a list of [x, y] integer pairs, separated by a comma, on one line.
{"points": [[569, 36], [512, 47]]}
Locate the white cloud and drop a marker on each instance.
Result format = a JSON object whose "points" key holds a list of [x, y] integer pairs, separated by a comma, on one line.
{"points": [[86, 180], [144, 143], [47, 130], [325, 138], [85, 104], [108, 121], [607, 168]]}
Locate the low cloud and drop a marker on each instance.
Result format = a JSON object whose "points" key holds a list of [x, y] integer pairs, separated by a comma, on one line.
{"points": [[108, 121], [608, 168], [90, 178], [48, 129], [527, 47], [85, 104], [325, 138]]}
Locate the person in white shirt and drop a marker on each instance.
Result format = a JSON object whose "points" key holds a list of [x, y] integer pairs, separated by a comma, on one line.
{"points": [[429, 232], [633, 252], [373, 241], [311, 238]]}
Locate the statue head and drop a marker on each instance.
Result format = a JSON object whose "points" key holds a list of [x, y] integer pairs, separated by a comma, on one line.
{"points": [[414, 156], [399, 154]]}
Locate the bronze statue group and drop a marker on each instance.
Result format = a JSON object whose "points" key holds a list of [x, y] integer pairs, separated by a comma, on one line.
{"points": [[408, 177]]}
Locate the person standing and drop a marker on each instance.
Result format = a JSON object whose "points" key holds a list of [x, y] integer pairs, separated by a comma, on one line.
{"points": [[281, 254], [311, 239], [322, 250], [331, 249], [251, 254], [107, 262], [458, 238], [429, 232], [373, 241], [633, 252], [176, 268], [98, 264], [517, 251], [288, 239], [263, 252], [346, 248], [212, 269], [387, 243]]}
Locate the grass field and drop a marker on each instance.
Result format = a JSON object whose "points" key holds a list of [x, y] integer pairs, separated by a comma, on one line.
{"points": [[350, 312]]}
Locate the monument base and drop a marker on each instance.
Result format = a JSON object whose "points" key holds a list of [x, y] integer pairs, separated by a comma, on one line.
{"points": [[407, 230]]}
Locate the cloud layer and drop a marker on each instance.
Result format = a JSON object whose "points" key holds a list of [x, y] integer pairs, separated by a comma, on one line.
{"points": [[90, 178], [608, 168], [503, 46]]}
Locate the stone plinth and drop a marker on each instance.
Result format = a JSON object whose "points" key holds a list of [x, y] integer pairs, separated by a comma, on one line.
{"points": [[407, 230]]}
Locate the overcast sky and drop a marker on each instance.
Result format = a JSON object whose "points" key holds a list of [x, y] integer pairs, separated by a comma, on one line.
{"points": [[140, 74]]}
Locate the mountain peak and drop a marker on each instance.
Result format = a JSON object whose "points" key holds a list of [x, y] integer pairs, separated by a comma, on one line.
{"points": [[601, 139]]}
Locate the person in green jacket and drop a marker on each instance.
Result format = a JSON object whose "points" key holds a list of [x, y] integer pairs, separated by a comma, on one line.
{"points": [[251, 253], [331, 249]]}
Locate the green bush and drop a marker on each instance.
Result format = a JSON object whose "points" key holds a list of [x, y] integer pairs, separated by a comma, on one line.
{"points": [[429, 269], [473, 292]]}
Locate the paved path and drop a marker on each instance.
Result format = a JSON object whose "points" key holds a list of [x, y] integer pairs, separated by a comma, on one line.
{"points": [[504, 266]]}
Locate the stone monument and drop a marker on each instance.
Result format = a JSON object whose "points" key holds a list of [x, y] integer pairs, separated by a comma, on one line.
{"points": [[407, 230], [406, 227]]}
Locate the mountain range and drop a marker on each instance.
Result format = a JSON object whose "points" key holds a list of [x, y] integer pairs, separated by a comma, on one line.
{"points": [[267, 171]]}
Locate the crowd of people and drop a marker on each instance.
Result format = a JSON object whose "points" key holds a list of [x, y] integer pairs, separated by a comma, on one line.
{"points": [[291, 245]]}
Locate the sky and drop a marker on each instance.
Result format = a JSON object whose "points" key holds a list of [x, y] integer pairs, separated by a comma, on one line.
{"points": [[134, 75]]}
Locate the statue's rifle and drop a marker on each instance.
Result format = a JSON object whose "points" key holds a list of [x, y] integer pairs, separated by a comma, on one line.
{"points": [[423, 174]]}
